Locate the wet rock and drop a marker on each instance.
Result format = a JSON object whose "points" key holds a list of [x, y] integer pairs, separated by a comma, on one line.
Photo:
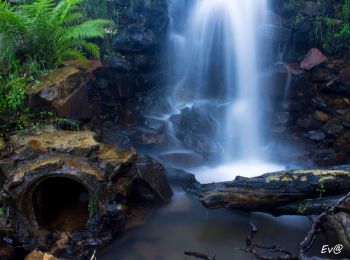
{"points": [[38, 255], [195, 127], [137, 41], [183, 179], [319, 102], [328, 157], [316, 135], [155, 124], [308, 121], [64, 92], [333, 128], [132, 37], [152, 173], [313, 58], [119, 64], [340, 84], [321, 116], [91, 185]]}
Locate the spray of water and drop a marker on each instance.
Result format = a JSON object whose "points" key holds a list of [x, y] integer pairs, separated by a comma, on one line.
{"points": [[215, 57]]}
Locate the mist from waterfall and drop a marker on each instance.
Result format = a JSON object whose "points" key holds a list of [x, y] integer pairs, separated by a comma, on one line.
{"points": [[215, 50]]}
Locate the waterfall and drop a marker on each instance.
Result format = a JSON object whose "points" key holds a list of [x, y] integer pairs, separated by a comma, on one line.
{"points": [[215, 51]]}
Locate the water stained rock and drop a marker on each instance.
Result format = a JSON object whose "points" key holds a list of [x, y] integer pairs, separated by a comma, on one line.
{"points": [[66, 193]]}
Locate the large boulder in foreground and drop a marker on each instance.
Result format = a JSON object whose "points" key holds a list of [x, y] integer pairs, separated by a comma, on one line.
{"points": [[65, 193]]}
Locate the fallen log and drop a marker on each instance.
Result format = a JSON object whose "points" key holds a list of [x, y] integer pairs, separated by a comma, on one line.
{"points": [[297, 192]]}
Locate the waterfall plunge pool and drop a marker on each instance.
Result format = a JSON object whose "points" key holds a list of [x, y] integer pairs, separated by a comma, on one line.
{"points": [[185, 225], [228, 171]]}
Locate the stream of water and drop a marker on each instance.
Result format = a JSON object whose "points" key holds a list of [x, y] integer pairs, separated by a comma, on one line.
{"points": [[215, 49]]}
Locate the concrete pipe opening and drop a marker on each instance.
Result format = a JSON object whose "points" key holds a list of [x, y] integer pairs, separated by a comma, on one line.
{"points": [[61, 204]]}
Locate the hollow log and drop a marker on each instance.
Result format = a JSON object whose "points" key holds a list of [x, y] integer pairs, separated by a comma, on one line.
{"points": [[297, 192]]}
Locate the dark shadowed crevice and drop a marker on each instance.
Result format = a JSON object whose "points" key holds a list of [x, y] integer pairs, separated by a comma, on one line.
{"points": [[61, 204]]}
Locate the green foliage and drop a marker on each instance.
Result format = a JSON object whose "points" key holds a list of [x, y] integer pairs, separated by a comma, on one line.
{"points": [[34, 38], [13, 94], [24, 119], [331, 34], [47, 34], [97, 9], [302, 208]]}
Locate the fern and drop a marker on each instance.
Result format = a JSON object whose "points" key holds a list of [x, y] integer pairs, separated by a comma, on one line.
{"points": [[46, 33]]}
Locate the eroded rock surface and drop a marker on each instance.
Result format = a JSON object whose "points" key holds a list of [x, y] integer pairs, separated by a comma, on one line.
{"points": [[65, 193], [64, 92]]}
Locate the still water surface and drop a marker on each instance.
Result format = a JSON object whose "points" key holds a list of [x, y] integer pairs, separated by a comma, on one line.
{"points": [[185, 225]]}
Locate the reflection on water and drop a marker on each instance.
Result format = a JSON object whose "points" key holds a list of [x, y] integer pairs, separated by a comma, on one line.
{"points": [[185, 224]]}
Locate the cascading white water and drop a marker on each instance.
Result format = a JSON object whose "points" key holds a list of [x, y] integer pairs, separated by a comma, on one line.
{"points": [[215, 51]]}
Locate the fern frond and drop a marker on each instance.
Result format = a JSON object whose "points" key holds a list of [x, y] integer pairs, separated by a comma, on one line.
{"points": [[70, 18], [89, 29], [93, 49], [72, 54], [11, 21], [63, 9]]}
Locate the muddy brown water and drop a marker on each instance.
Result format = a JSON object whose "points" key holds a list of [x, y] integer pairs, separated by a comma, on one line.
{"points": [[184, 224]]}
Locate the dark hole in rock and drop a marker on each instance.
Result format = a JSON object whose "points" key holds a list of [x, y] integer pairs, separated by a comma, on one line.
{"points": [[61, 204]]}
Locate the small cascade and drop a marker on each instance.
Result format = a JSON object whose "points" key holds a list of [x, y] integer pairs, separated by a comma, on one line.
{"points": [[215, 50]]}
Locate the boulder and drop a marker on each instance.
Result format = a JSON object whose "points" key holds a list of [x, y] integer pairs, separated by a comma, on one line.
{"points": [[63, 92], [313, 58], [195, 127], [67, 193]]}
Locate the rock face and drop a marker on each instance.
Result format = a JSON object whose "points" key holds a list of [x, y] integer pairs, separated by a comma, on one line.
{"points": [[65, 193], [135, 68], [318, 109], [63, 92], [195, 127]]}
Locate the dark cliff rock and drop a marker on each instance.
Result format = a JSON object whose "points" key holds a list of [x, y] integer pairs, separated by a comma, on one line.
{"points": [[133, 63]]}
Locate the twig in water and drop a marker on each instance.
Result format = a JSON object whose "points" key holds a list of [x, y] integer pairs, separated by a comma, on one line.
{"points": [[200, 255]]}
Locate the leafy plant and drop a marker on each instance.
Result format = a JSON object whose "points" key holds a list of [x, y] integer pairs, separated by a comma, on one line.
{"points": [[302, 208], [37, 37], [332, 34], [47, 33], [13, 94]]}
